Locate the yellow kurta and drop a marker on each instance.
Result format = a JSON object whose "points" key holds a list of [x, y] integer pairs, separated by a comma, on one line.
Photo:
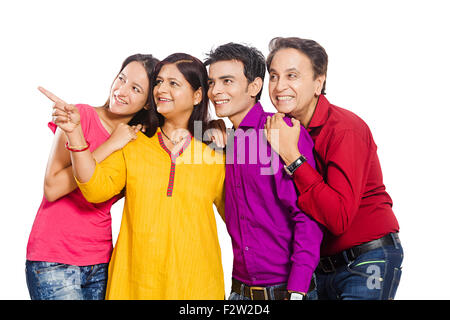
{"points": [[167, 247]]}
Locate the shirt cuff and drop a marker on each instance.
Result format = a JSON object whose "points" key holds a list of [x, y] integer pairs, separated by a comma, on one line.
{"points": [[305, 177], [300, 279]]}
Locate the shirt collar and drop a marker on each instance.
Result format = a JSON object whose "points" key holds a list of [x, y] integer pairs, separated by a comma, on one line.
{"points": [[320, 115], [252, 118]]}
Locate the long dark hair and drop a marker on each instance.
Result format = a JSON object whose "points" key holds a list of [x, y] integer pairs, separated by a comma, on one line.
{"points": [[149, 62], [195, 73]]}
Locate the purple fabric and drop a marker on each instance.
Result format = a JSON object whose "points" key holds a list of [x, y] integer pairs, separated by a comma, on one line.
{"points": [[273, 240]]}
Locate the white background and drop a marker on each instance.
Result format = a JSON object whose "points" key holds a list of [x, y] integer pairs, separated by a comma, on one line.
{"points": [[388, 62]]}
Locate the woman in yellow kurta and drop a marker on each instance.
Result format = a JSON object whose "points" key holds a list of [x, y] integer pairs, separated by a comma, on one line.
{"points": [[167, 247]]}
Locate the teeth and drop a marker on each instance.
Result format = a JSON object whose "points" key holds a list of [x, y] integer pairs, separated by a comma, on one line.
{"points": [[284, 98], [120, 100], [163, 99], [222, 101]]}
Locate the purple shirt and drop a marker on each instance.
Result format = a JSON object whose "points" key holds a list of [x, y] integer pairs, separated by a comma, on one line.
{"points": [[273, 241]]}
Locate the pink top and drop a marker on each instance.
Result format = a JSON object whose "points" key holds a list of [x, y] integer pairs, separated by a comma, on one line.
{"points": [[71, 230]]}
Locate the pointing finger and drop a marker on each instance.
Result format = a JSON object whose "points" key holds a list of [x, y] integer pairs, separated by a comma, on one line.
{"points": [[50, 95]]}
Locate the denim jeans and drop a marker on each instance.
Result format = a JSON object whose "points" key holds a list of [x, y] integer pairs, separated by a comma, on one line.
{"points": [[57, 281], [374, 275]]}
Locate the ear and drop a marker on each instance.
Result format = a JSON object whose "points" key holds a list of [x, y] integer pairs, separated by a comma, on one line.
{"points": [[198, 95], [255, 87], [320, 80]]}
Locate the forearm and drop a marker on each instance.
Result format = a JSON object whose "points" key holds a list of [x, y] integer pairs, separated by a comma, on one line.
{"points": [[83, 163], [306, 252], [63, 182], [60, 184]]}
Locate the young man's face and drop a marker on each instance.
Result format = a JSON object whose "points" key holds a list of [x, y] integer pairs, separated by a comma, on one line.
{"points": [[229, 90]]}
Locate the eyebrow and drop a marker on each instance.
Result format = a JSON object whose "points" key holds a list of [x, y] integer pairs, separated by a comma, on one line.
{"points": [[287, 70], [224, 77]]}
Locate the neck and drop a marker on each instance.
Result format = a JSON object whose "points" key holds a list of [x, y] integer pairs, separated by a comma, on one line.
{"points": [[113, 120], [171, 125], [237, 118], [305, 115]]}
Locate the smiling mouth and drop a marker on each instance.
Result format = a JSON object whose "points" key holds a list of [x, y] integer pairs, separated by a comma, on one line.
{"points": [[119, 100], [164, 100], [284, 98], [220, 102]]}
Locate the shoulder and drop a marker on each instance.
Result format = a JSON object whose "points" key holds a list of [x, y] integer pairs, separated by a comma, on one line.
{"points": [[345, 121]]}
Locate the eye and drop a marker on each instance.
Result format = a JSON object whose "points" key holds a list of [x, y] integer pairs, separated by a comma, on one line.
{"points": [[158, 82], [292, 75], [272, 77], [227, 81], [121, 78], [137, 90], [174, 84], [210, 83]]}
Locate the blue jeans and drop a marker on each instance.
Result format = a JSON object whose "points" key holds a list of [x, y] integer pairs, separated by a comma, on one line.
{"points": [[57, 281], [374, 275]]}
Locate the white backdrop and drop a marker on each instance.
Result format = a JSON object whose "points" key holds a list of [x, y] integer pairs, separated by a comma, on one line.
{"points": [[388, 62]]}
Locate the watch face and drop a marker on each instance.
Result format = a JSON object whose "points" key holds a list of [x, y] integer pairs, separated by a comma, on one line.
{"points": [[296, 296]]}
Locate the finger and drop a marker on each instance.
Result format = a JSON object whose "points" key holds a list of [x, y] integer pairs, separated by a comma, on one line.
{"points": [[137, 128], [50, 95], [59, 112], [295, 122]]}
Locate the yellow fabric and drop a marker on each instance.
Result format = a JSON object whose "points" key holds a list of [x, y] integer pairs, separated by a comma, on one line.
{"points": [[167, 247]]}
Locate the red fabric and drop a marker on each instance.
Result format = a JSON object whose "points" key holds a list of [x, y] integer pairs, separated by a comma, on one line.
{"points": [[346, 194]]}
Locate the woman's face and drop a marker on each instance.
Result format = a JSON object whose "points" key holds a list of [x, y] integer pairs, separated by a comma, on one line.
{"points": [[130, 90], [173, 94]]}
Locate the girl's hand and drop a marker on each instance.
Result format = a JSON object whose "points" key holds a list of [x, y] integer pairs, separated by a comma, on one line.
{"points": [[123, 134], [64, 115], [283, 138]]}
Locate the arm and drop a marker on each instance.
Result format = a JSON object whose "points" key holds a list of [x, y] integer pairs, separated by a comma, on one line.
{"points": [[307, 235], [59, 180], [333, 202], [84, 165]]}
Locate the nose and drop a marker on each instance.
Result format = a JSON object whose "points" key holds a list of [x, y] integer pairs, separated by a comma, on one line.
{"points": [[160, 88], [122, 90], [281, 85], [216, 89]]}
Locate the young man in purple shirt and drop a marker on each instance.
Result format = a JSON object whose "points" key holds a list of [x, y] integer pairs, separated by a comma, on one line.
{"points": [[276, 246]]}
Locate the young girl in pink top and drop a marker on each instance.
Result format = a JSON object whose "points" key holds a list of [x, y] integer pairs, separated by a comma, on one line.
{"points": [[71, 242]]}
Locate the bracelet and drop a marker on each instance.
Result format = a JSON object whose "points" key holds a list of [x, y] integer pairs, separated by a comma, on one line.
{"points": [[77, 148]]}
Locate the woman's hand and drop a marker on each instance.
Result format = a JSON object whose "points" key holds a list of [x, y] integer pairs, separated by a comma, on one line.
{"points": [[217, 132], [283, 138], [123, 134], [64, 115]]}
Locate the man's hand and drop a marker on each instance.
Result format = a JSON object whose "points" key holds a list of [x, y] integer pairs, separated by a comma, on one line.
{"points": [[283, 138]]}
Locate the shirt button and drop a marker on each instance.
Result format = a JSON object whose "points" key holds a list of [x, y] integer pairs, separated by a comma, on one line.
{"points": [[246, 248]]}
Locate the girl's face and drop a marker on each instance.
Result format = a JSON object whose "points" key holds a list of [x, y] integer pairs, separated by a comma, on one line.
{"points": [[173, 94], [130, 90]]}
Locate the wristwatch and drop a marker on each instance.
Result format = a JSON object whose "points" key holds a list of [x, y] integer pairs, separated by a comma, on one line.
{"points": [[296, 295], [294, 165]]}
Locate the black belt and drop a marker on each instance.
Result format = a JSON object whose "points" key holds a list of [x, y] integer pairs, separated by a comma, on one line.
{"points": [[331, 263], [258, 293], [262, 293]]}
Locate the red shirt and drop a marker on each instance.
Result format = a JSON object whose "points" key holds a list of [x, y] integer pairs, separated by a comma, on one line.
{"points": [[347, 194]]}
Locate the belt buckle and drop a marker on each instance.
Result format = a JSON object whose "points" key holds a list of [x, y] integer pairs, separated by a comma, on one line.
{"points": [[266, 297], [325, 268]]}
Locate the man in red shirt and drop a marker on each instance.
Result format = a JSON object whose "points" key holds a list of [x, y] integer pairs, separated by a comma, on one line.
{"points": [[361, 254]]}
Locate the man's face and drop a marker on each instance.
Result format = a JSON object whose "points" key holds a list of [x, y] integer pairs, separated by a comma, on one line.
{"points": [[228, 90], [292, 84]]}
